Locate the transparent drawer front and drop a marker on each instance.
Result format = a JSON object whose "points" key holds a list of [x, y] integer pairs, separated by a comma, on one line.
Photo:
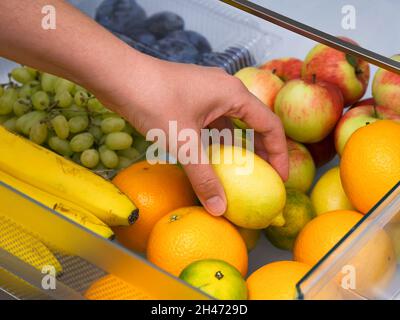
{"points": [[37, 244], [365, 264]]}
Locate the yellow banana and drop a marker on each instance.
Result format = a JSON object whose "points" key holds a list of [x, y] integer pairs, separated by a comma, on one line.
{"points": [[62, 206], [15, 240], [56, 175]]}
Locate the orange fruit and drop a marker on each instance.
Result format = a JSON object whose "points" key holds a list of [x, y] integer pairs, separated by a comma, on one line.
{"points": [[322, 233], [374, 264], [111, 287], [156, 190], [276, 281], [190, 234], [370, 164]]}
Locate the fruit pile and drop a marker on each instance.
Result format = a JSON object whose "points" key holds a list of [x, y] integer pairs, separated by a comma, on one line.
{"points": [[163, 36], [172, 229], [67, 119], [310, 98]]}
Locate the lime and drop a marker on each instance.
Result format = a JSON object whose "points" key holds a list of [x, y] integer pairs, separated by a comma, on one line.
{"points": [[297, 212], [217, 278]]}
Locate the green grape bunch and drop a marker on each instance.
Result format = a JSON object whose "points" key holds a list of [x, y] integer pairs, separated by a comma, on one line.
{"points": [[66, 118]]}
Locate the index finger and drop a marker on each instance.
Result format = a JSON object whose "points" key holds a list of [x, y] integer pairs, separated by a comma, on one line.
{"points": [[259, 117]]}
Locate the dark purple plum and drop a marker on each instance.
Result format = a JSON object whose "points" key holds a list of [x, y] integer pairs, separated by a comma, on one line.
{"points": [[177, 50], [120, 15], [193, 37], [163, 23], [143, 36]]}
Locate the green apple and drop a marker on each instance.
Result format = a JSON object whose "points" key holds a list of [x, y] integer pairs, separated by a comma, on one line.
{"points": [[308, 110], [386, 88], [263, 84], [301, 167], [349, 73], [359, 117]]}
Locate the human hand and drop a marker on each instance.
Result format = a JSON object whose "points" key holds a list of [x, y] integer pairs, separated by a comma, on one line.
{"points": [[152, 94]]}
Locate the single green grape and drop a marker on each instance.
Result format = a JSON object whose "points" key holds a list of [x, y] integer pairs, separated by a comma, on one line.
{"points": [[112, 124], [64, 99], [22, 75], [7, 101], [33, 72], [130, 153], [78, 124], [29, 89], [95, 106], [124, 163], [40, 100], [108, 157], [63, 85], [90, 158], [74, 111], [25, 122], [118, 141], [60, 146], [109, 114], [96, 120], [60, 126], [77, 88], [81, 98], [38, 133], [96, 132], [81, 142], [22, 106], [11, 124], [48, 82]]}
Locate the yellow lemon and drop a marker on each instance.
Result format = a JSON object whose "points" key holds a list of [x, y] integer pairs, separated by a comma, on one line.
{"points": [[328, 194]]}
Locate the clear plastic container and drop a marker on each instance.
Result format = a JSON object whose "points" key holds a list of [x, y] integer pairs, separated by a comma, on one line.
{"points": [[85, 257], [351, 270], [237, 37]]}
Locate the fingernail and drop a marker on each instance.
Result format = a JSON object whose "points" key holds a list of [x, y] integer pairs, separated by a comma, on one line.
{"points": [[216, 206]]}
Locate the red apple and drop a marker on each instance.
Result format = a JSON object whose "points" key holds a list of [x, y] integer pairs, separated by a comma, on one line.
{"points": [[285, 68], [364, 102], [358, 117], [301, 167], [323, 151], [386, 88], [308, 110], [263, 84], [349, 73]]}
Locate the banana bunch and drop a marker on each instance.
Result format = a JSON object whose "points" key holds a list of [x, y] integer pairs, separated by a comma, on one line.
{"points": [[70, 185], [16, 241], [66, 208]]}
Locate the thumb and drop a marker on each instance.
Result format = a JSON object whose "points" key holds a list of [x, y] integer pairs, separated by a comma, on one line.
{"points": [[207, 187]]}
